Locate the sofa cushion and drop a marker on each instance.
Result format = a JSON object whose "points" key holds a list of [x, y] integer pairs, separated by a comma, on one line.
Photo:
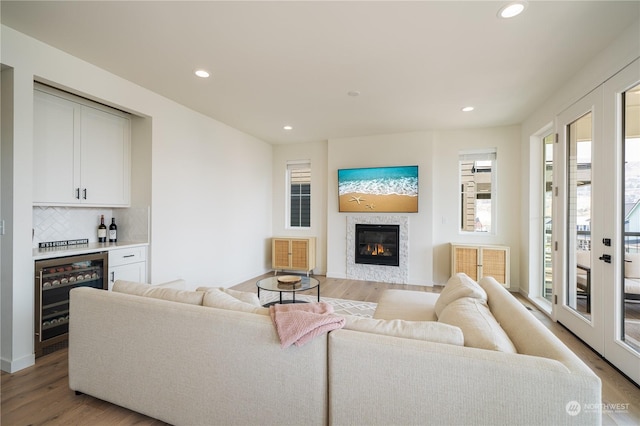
{"points": [[632, 265], [407, 305], [479, 327], [632, 286], [459, 285], [244, 296], [431, 331], [158, 292], [216, 298], [178, 284]]}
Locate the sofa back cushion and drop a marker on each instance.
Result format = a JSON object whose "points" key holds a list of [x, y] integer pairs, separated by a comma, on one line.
{"points": [[244, 296], [431, 331], [158, 292], [459, 285], [479, 327], [218, 298]]}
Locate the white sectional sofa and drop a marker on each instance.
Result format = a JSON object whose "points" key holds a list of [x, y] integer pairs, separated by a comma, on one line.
{"points": [[214, 357]]}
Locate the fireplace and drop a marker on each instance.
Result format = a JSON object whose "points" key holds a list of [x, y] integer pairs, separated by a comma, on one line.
{"points": [[377, 244]]}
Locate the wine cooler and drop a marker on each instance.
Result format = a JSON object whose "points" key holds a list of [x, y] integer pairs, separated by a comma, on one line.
{"points": [[54, 278]]}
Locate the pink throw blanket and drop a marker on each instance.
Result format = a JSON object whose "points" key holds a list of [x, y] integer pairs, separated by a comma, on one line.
{"points": [[299, 323]]}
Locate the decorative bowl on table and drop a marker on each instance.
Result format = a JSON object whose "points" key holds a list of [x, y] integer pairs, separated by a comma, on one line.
{"points": [[289, 282]]}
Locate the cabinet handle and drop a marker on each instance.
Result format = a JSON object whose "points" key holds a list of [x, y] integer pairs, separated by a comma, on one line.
{"points": [[113, 276], [84, 194], [128, 255], [77, 193]]}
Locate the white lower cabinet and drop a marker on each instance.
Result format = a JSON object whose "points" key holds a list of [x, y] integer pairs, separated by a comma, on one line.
{"points": [[129, 264]]}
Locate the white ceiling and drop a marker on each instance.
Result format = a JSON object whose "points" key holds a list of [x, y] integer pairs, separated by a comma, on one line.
{"points": [[416, 63]]}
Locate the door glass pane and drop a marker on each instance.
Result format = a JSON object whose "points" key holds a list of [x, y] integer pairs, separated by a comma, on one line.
{"points": [[631, 182], [547, 206], [578, 291]]}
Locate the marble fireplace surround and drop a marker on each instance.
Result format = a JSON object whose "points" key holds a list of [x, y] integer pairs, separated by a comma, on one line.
{"points": [[382, 273]]}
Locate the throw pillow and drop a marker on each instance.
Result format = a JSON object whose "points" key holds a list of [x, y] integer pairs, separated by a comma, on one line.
{"points": [[479, 327], [430, 331], [165, 293], [244, 296], [459, 285], [216, 298]]}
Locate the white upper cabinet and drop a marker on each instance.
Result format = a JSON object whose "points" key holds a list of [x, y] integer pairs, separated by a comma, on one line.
{"points": [[82, 153], [56, 149]]}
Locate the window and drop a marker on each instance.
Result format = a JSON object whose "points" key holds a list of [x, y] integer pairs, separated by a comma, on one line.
{"points": [[299, 193], [477, 190]]}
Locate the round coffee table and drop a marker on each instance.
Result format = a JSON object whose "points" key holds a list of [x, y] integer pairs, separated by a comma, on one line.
{"points": [[272, 284]]}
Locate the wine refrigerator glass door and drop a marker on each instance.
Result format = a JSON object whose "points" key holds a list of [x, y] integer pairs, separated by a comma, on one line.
{"points": [[54, 279]]}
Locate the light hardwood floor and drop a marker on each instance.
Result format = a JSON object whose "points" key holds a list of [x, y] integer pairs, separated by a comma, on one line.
{"points": [[40, 395]]}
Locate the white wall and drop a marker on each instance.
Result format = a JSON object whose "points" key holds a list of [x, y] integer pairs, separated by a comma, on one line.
{"points": [[602, 67], [210, 196], [507, 230], [211, 201], [317, 153], [435, 225], [404, 149]]}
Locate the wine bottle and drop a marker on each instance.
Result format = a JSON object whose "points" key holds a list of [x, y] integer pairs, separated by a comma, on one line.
{"points": [[113, 231], [102, 231]]}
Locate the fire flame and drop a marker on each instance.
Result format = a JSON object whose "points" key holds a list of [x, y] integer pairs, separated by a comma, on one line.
{"points": [[375, 250]]}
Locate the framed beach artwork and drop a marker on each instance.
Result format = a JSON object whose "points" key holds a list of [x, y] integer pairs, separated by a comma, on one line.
{"points": [[378, 189]]}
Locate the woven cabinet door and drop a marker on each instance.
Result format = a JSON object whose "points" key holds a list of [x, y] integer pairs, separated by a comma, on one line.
{"points": [[494, 264], [280, 255], [300, 254], [466, 260]]}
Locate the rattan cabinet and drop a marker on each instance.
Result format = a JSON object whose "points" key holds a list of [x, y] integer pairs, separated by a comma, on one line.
{"points": [[293, 254], [479, 261]]}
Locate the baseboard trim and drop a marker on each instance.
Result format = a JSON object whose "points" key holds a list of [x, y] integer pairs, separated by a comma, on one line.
{"points": [[17, 365]]}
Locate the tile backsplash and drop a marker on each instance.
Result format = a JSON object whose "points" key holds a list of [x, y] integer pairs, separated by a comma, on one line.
{"points": [[69, 223]]}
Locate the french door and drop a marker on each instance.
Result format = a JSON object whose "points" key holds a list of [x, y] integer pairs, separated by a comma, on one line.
{"points": [[598, 240], [581, 211], [622, 294]]}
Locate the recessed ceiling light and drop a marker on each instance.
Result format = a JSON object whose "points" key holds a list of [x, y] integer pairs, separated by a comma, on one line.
{"points": [[353, 93], [288, 128], [202, 73], [468, 109], [512, 9]]}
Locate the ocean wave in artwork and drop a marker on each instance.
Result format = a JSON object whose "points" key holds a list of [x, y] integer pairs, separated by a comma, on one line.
{"points": [[381, 186]]}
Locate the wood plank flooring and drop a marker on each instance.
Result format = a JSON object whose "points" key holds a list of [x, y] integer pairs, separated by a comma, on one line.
{"points": [[39, 395]]}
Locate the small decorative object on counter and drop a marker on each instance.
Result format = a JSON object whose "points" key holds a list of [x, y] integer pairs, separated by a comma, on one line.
{"points": [[113, 231], [102, 231]]}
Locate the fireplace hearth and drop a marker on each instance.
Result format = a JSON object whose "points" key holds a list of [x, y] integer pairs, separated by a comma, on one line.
{"points": [[377, 244]]}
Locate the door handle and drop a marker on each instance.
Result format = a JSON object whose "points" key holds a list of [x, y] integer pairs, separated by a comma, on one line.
{"points": [[606, 258]]}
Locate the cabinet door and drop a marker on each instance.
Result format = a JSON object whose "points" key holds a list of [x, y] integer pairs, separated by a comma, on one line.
{"points": [[56, 150], [300, 254], [136, 272], [494, 264], [280, 254], [105, 165], [466, 260]]}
